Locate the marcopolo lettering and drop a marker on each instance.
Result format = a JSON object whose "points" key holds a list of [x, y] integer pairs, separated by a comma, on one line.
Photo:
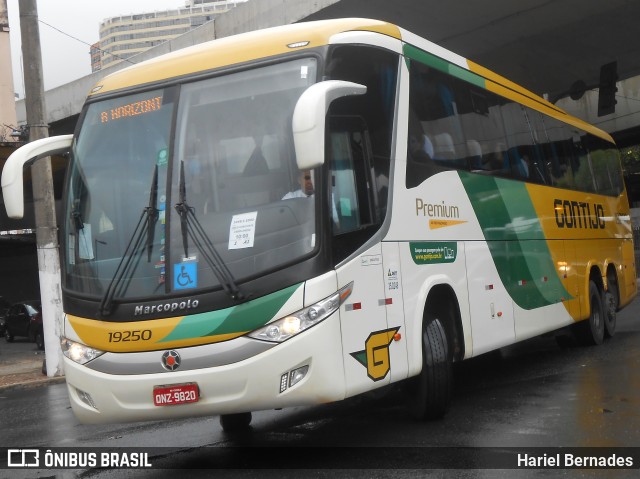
{"points": [[166, 307], [578, 214]]}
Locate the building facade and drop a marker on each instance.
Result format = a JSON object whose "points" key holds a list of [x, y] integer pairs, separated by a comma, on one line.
{"points": [[127, 35], [8, 120]]}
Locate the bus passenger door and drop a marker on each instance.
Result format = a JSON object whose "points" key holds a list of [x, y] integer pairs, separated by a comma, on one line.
{"points": [[355, 218], [366, 337]]}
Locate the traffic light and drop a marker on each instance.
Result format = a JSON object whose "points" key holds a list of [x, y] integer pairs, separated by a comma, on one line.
{"points": [[607, 89]]}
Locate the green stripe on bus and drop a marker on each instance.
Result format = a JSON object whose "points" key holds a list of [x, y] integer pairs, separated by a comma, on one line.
{"points": [[438, 63], [236, 319], [516, 241]]}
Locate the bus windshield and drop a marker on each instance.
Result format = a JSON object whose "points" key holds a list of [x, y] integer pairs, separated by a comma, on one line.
{"points": [[158, 205]]}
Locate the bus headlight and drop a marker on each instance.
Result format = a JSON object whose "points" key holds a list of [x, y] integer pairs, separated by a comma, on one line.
{"points": [[79, 352], [287, 327]]}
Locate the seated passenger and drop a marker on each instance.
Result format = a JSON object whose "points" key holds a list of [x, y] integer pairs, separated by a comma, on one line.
{"points": [[420, 147]]}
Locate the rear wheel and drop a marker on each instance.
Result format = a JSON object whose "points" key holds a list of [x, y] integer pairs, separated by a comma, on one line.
{"points": [[8, 336], [235, 422], [429, 394], [610, 306], [591, 331]]}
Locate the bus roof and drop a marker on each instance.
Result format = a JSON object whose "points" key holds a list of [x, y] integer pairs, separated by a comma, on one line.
{"points": [[269, 42], [237, 49]]}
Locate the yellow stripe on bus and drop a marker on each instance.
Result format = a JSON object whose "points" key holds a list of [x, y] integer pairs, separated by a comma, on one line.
{"points": [[137, 336], [506, 88], [235, 50]]}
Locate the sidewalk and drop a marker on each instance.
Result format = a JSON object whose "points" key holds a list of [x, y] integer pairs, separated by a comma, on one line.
{"points": [[21, 365]]}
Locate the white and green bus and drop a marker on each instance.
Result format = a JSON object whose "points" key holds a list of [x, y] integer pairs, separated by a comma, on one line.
{"points": [[302, 214]]}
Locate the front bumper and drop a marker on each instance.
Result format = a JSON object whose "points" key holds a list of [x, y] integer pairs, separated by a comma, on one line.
{"points": [[248, 385]]}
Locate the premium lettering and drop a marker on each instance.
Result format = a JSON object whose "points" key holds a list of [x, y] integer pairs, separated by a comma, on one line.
{"points": [[435, 210]]}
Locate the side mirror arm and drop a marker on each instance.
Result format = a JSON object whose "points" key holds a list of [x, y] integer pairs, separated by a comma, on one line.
{"points": [[309, 119], [12, 173]]}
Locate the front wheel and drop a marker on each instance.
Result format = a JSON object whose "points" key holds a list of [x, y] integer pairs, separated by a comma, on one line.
{"points": [[590, 332], [429, 393]]}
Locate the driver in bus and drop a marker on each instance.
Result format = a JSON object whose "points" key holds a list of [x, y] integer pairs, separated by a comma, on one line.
{"points": [[306, 190], [306, 187]]}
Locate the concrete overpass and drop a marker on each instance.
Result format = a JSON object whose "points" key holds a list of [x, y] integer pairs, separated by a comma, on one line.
{"points": [[545, 45]]}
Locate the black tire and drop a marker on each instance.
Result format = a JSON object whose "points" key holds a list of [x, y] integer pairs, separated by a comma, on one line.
{"points": [[8, 336], [40, 340], [590, 332], [235, 422], [610, 306], [429, 393]]}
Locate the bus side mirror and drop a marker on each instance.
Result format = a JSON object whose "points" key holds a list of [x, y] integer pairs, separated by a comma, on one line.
{"points": [[12, 173], [309, 117]]}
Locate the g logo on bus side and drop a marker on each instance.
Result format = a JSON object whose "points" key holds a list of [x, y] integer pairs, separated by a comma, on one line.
{"points": [[375, 357]]}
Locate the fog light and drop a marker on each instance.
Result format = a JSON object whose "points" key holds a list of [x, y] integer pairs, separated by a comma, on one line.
{"points": [[297, 375], [283, 383], [86, 398]]}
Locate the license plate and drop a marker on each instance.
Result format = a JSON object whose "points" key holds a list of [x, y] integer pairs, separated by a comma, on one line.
{"points": [[174, 394]]}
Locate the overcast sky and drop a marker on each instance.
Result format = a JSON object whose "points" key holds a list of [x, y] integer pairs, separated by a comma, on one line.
{"points": [[65, 59]]}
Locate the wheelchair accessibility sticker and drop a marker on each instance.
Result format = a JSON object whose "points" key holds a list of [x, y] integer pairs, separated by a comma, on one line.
{"points": [[185, 275]]}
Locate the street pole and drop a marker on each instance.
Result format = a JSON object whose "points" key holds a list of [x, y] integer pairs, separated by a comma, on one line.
{"points": [[43, 199]]}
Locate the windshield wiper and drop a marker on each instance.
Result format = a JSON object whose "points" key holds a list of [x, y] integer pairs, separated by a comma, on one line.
{"points": [[150, 212], [202, 242], [76, 216]]}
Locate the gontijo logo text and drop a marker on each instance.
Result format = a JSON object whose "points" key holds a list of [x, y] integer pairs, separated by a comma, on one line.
{"points": [[578, 214]]}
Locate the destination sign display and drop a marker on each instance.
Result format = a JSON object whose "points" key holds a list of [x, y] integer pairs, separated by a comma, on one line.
{"points": [[135, 108]]}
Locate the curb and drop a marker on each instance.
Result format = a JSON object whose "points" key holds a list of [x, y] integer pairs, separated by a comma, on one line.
{"points": [[27, 380]]}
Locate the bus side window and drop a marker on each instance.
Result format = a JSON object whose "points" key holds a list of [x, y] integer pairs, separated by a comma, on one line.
{"points": [[344, 194], [555, 140], [435, 141], [605, 164], [353, 197], [350, 183], [359, 139]]}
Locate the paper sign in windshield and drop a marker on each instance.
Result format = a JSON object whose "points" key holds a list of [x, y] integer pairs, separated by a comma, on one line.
{"points": [[242, 230], [85, 242]]}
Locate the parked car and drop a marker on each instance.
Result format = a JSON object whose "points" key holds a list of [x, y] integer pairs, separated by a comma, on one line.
{"points": [[25, 319], [4, 306]]}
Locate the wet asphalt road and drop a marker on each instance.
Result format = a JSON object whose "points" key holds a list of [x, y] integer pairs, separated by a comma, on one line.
{"points": [[540, 393]]}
